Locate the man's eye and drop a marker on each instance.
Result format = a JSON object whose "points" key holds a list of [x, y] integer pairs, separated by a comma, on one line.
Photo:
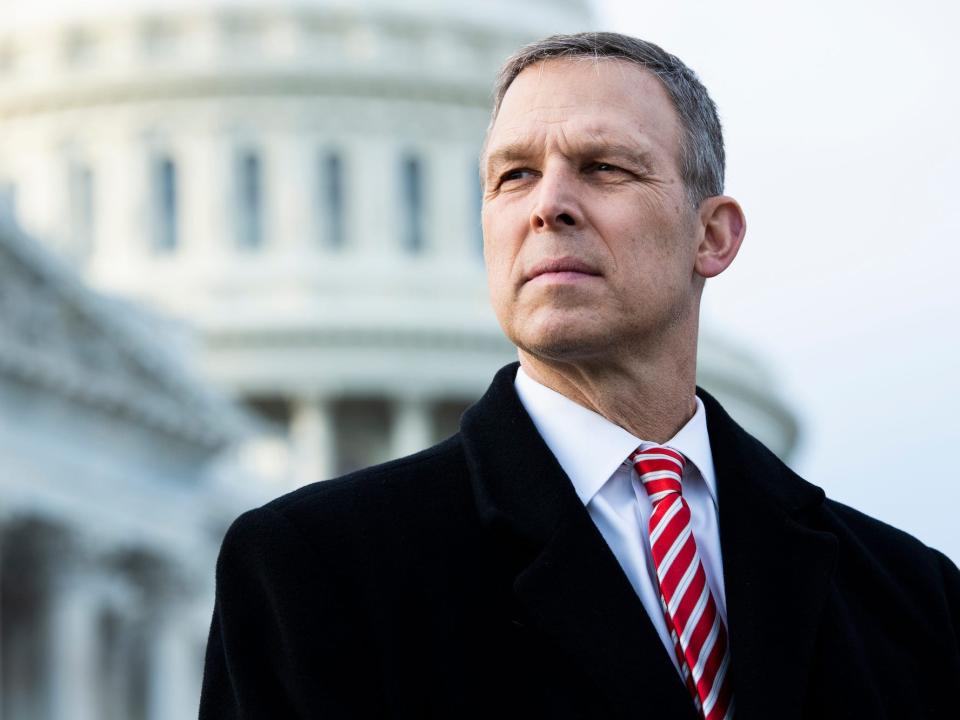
{"points": [[516, 174], [603, 167]]}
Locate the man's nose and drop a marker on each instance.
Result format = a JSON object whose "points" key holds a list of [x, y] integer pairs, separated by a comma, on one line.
{"points": [[555, 206]]}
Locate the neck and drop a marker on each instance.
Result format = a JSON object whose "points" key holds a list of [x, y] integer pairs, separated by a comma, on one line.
{"points": [[652, 398]]}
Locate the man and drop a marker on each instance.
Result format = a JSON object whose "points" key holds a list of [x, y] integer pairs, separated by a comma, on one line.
{"points": [[600, 540]]}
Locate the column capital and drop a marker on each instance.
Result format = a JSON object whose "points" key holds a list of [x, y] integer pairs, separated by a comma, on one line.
{"points": [[312, 435], [412, 428]]}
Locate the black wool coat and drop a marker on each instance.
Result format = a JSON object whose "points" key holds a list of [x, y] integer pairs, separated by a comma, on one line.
{"points": [[468, 581]]}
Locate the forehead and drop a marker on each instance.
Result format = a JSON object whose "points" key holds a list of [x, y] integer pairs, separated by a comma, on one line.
{"points": [[579, 99]]}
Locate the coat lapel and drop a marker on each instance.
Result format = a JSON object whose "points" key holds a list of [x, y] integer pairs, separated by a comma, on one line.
{"points": [[568, 585], [777, 569]]}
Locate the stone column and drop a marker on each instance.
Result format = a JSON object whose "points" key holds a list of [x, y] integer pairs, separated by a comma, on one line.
{"points": [[313, 438], [72, 646], [372, 197], [205, 184], [453, 214], [174, 691], [119, 164], [42, 197], [290, 183], [120, 610], [412, 428]]}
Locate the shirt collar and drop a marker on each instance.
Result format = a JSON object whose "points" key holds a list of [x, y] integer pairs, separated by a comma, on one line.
{"points": [[564, 424]]}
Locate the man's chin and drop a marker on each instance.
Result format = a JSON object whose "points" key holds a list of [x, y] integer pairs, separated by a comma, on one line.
{"points": [[552, 332], [567, 345]]}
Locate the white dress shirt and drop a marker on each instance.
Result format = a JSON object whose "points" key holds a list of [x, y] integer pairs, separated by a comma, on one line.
{"points": [[594, 453]]}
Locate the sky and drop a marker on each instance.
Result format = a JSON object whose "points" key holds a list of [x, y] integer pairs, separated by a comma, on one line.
{"points": [[841, 122]]}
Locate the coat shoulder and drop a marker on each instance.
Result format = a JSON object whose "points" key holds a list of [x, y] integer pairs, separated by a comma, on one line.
{"points": [[409, 490], [908, 564], [879, 538]]}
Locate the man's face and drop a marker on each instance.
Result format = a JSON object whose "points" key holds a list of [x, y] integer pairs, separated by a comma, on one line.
{"points": [[590, 239]]}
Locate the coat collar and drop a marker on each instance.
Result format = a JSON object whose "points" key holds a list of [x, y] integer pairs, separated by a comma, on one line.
{"points": [[569, 586]]}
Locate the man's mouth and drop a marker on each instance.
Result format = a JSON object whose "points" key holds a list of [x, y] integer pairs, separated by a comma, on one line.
{"points": [[562, 269]]}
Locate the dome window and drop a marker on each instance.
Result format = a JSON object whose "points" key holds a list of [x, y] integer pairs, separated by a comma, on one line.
{"points": [[82, 220], [411, 189], [331, 219], [164, 203], [249, 201]]}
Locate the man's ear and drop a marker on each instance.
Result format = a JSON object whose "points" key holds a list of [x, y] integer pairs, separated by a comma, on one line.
{"points": [[724, 225]]}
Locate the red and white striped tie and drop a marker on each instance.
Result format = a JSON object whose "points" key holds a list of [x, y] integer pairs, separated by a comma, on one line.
{"points": [[697, 630]]}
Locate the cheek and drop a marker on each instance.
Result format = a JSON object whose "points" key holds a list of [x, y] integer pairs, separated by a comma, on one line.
{"points": [[644, 233], [650, 249], [500, 246]]}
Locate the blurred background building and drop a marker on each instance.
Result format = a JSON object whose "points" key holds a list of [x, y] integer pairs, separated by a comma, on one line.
{"points": [[109, 504], [247, 257]]}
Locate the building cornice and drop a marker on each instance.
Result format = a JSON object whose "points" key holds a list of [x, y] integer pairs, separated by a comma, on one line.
{"points": [[92, 94], [367, 338], [158, 53]]}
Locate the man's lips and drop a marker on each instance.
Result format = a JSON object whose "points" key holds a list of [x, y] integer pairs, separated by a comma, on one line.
{"points": [[565, 267]]}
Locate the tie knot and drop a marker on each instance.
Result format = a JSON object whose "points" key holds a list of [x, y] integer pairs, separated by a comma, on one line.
{"points": [[660, 470]]}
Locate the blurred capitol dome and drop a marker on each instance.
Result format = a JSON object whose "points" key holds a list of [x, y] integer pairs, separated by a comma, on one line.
{"points": [[296, 182]]}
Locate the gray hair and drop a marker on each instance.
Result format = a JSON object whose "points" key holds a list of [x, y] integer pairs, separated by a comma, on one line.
{"points": [[701, 139]]}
